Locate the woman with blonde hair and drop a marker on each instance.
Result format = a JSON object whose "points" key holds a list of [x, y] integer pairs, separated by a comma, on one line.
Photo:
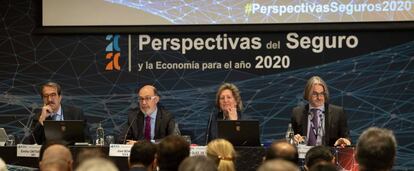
{"points": [[223, 153], [229, 106]]}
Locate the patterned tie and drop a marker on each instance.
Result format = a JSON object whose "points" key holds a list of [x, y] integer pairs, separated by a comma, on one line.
{"points": [[147, 131], [313, 132]]}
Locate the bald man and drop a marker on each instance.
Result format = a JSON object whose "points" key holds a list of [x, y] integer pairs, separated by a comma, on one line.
{"points": [[149, 122], [56, 157], [282, 150]]}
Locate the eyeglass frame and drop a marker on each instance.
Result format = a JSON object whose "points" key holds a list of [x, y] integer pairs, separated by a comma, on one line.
{"points": [[316, 94], [146, 99]]}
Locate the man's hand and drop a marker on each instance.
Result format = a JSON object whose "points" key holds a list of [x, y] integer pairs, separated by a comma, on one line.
{"points": [[342, 142], [46, 112], [298, 138], [130, 142]]}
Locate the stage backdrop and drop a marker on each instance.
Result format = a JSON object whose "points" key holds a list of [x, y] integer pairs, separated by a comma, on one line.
{"points": [[370, 73]]}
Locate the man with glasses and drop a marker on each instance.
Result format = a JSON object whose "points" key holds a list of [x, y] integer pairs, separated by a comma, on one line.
{"points": [[319, 122], [52, 109], [149, 122]]}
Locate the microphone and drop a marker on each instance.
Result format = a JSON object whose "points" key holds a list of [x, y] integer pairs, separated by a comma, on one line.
{"points": [[129, 127], [209, 126], [26, 128]]}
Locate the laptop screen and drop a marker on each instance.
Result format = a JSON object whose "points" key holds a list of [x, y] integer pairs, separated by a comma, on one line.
{"points": [[239, 132], [69, 131]]}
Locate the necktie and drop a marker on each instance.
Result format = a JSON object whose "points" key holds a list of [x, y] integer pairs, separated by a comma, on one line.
{"points": [[147, 131], [313, 132]]}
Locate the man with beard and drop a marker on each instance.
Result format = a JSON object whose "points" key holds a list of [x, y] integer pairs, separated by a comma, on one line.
{"points": [[322, 123], [150, 121], [52, 109]]}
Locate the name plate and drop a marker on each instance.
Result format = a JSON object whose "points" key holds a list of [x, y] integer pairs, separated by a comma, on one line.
{"points": [[25, 150], [119, 150], [198, 150], [302, 150]]}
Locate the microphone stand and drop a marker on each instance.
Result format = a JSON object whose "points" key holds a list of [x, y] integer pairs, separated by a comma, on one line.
{"points": [[209, 126], [27, 128], [129, 127]]}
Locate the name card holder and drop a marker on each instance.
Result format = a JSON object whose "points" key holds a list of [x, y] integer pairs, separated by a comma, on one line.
{"points": [[120, 150], [198, 150], [26, 150]]}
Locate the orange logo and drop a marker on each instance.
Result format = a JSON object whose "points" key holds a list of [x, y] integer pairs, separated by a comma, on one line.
{"points": [[113, 52]]}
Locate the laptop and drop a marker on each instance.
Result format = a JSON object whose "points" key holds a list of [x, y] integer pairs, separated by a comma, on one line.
{"points": [[68, 131], [239, 132], [3, 137]]}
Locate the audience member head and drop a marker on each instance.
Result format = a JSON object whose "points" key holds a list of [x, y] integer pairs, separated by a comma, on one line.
{"points": [[142, 153], [148, 99], [197, 163], [56, 157], [172, 150], [223, 153], [51, 95], [88, 153], [318, 154], [316, 92], [376, 149], [97, 164], [282, 150], [3, 166], [46, 145], [228, 95], [324, 166], [278, 165]]}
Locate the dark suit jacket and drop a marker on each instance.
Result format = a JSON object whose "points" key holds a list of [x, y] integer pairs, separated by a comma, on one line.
{"points": [[212, 125], [336, 124], [134, 129], [69, 113]]}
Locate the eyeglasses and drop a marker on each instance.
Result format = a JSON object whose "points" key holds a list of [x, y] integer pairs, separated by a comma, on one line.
{"points": [[316, 94], [52, 95], [146, 99]]}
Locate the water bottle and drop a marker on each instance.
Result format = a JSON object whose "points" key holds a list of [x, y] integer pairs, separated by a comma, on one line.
{"points": [[100, 135], [289, 135], [177, 129]]}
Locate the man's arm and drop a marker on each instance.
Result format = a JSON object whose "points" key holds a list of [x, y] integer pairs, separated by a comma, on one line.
{"points": [[343, 129], [38, 130]]}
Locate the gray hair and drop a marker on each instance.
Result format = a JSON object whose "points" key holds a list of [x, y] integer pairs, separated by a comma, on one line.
{"points": [[315, 80]]}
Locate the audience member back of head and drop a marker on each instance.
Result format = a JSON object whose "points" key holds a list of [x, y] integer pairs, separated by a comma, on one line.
{"points": [[56, 157], [278, 165], [282, 150], [376, 149], [172, 150], [97, 164], [317, 155], [198, 163], [223, 153], [142, 156]]}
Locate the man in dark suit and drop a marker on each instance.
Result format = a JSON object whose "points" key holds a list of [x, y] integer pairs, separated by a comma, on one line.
{"points": [[149, 122], [52, 109], [320, 122]]}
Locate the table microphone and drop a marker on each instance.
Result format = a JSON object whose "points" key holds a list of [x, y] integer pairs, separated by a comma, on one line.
{"points": [[26, 128], [126, 133]]}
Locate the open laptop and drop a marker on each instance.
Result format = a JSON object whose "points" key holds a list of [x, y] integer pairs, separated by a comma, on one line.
{"points": [[68, 131], [3, 137], [239, 132]]}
